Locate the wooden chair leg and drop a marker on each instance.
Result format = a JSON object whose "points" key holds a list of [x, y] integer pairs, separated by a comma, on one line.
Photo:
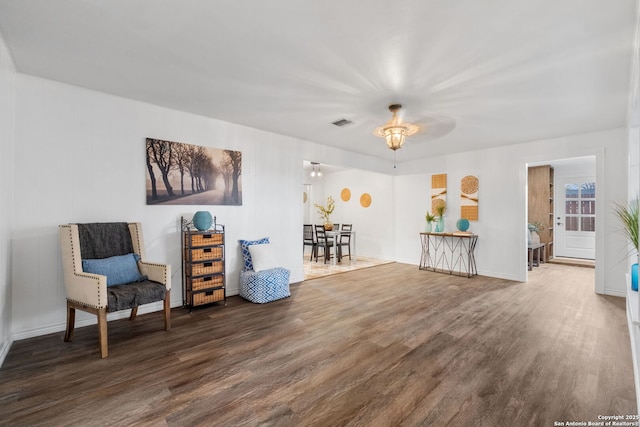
{"points": [[102, 332], [167, 311], [134, 313], [71, 322]]}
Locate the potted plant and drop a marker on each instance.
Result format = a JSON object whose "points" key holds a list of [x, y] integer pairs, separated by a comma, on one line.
{"points": [[326, 211], [628, 216], [430, 220]]}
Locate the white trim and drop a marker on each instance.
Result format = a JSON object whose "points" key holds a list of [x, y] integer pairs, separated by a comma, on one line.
{"points": [[91, 320], [4, 350]]}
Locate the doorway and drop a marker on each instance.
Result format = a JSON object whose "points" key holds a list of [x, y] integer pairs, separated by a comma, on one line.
{"points": [[321, 180], [572, 214]]}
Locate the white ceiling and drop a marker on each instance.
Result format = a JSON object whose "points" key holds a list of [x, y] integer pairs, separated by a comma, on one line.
{"points": [[474, 73]]}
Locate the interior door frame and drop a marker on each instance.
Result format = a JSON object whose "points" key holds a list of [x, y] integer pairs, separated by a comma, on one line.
{"points": [[539, 159]]}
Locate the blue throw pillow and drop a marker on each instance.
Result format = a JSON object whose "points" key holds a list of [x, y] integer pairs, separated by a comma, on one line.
{"points": [[118, 269], [246, 255]]}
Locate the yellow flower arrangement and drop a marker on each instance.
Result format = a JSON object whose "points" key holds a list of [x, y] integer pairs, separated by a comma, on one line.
{"points": [[326, 211]]}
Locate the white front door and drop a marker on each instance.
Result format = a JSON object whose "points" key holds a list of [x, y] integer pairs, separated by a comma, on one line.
{"points": [[575, 217]]}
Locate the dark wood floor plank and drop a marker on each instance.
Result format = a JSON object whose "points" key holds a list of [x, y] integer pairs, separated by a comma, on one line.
{"points": [[385, 346]]}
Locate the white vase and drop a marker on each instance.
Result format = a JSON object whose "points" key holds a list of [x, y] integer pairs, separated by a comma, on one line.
{"points": [[535, 238]]}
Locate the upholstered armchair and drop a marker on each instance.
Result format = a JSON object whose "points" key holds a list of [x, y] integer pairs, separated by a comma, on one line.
{"points": [[261, 279], [105, 270]]}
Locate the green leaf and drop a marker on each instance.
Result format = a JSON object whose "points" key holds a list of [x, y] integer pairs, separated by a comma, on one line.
{"points": [[628, 216]]}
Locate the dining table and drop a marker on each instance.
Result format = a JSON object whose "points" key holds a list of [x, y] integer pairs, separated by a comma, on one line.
{"points": [[335, 235]]}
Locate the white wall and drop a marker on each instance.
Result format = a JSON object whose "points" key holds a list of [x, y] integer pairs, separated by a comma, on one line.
{"points": [[499, 212], [575, 168], [7, 109], [502, 207], [79, 157], [374, 225], [634, 162]]}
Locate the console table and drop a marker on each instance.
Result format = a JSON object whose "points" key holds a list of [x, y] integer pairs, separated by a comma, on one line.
{"points": [[449, 253]]}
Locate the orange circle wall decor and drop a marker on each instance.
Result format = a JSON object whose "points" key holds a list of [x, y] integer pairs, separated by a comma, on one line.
{"points": [[365, 200], [345, 194]]}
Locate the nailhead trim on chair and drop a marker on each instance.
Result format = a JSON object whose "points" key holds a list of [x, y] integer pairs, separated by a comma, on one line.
{"points": [[81, 275], [137, 235], [84, 304]]}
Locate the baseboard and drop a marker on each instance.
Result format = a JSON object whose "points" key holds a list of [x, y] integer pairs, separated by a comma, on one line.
{"points": [[615, 293], [4, 350], [296, 279], [91, 320]]}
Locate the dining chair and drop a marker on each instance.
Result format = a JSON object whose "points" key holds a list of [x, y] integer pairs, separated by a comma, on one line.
{"points": [[323, 242], [309, 239], [345, 239]]}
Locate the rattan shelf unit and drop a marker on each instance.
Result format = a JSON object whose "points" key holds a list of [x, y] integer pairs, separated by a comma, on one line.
{"points": [[203, 265]]}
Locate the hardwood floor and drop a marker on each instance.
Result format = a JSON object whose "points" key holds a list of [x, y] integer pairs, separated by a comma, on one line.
{"points": [[384, 346], [314, 270]]}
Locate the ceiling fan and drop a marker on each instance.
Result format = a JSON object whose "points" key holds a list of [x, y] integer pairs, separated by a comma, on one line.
{"points": [[431, 126], [395, 130]]}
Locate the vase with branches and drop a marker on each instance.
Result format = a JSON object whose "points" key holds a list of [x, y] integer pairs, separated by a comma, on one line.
{"points": [[440, 210], [430, 218], [326, 211]]}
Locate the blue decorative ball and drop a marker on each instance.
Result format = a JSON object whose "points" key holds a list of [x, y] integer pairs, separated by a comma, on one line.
{"points": [[202, 220], [462, 224]]}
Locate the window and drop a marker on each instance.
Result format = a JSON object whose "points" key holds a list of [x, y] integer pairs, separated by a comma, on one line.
{"points": [[580, 207]]}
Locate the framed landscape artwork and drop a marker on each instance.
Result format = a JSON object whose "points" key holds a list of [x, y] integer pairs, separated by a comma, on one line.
{"points": [[186, 174]]}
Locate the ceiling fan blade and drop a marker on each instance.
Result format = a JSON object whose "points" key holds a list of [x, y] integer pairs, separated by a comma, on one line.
{"points": [[432, 127]]}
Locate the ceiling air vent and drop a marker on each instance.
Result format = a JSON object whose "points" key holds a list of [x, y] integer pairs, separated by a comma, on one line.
{"points": [[342, 122]]}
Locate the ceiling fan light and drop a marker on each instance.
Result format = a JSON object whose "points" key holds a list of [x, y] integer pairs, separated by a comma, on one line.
{"points": [[395, 132], [394, 136]]}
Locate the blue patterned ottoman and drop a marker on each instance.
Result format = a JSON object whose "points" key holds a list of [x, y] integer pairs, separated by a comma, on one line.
{"points": [[265, 286]]}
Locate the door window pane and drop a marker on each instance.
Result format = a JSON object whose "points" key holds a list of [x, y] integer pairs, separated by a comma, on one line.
{"points": [[571, 223], [588, 223], [588, 190], [571, 207], [588, 207], [571, 191]]}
